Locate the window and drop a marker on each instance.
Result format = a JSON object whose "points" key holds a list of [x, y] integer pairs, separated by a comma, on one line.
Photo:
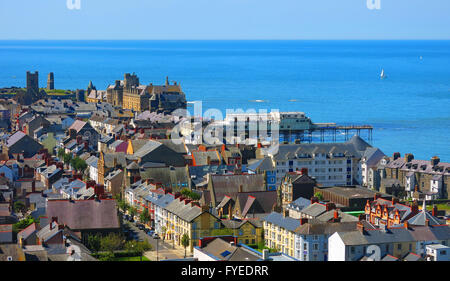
{"points": [[399, 246], [352, 250], [315, 247]]}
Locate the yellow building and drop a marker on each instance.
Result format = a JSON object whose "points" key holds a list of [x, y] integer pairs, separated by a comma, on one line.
{"points": [[248, 231], [279, 232], [183, 217]]}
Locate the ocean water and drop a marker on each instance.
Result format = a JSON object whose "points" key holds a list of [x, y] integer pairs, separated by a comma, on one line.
{"points": [[331, 81]]}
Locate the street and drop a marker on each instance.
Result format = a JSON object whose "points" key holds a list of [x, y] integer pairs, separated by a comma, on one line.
{"points": [[165, 250]]}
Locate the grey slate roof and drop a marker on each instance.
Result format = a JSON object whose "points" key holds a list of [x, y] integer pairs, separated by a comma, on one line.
{"points": [[187, 212], [354, 147], [284, 222]]}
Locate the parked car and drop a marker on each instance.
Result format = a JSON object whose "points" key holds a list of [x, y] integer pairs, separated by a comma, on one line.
{"points": [[141, 226], [155, 236], [150, 233]]}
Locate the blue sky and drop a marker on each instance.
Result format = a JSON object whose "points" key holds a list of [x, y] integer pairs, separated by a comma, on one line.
{"points": [[225, 19]]}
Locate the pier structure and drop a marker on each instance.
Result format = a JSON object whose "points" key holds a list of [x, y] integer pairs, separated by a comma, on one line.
{"points": [[326, 132], [297, 127]]}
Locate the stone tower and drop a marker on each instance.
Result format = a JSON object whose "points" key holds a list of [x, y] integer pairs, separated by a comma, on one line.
{"points": [[130, 80], [50, 81], [33, 83]]}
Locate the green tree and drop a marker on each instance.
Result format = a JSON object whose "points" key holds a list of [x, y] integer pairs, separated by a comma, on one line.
{"points": [[185, 242], [22, 224], [138, 247], [67, 158], [163, 232], [132, 211], [111, 243], [194, 196], [186, 192], [318, 195], [94, 242], [61, 153], [19, 207], [78, 164], [145, 216]]}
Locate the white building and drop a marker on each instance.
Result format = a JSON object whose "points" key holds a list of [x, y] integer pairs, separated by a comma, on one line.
{"points": [[438, 252], [329, 163]]}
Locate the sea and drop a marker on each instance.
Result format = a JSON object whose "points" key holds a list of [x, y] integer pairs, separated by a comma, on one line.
{"points": [[331, 81]]}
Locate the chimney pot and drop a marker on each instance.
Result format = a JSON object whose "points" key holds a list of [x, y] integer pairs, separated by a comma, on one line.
{"points": [[434, 212], [330, 206]]}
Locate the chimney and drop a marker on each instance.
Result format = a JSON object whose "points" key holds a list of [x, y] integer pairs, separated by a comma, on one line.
{"points": [[409, 157], [396, 155], [330, 206], [285, 213], [414, 207], [60, 165], [99, 191], [406, 224], [265, 254], [314, 200], [303, 221], [336, 214], [434, 212], [79, 139], [435, 160], [394, 200], [376, 196], [90, 184], [304, 171], [33, 186], [360, 227], [86, 145]]}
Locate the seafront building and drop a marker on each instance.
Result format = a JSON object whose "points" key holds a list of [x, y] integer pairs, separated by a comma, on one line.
{"points": [[329, 163]]}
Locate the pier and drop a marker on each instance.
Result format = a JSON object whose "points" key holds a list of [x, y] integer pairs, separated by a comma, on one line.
{"points": [[324, 130]]}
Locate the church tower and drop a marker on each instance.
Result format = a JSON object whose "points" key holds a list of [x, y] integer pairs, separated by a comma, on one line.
{"points": [[50, 81]]}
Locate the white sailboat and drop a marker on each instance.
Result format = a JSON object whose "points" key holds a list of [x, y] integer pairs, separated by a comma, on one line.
{"points": [[382, 75]]}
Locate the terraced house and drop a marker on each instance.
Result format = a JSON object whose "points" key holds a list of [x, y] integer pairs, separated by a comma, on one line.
{"points": [[421, 178], [279, 232], [376, 244], [186, 217], [247, 231]]}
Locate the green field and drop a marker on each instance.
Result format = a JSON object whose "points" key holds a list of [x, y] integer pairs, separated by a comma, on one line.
{"points": [[443, 206], [131, 259]]}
